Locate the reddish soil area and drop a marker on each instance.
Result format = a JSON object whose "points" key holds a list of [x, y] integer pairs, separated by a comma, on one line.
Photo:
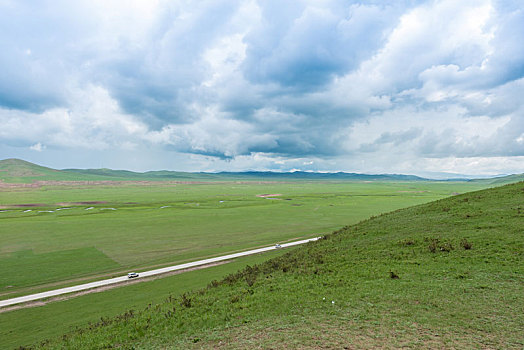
{"points": [[65, 204], [15, 185], [37, 184]]}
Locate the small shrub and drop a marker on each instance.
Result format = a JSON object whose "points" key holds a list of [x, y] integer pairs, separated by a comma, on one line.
{"points": [[393, 275], [170, 313], [186, 302], [446, 247], [436, 245], [433, 244], [407, 242], [465, 244], [250, 274], [250, 279], [213, 284]]}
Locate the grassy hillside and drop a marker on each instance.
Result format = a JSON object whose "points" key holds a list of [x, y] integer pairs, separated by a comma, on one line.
{"points": [[26, 326], [448, 274], [11, 169], [502, 180], [21, 171]]}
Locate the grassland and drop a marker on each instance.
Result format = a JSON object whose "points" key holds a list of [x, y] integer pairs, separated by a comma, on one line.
{"points": [[24, 327], [136, 221], [447, 274], [158, 224]]}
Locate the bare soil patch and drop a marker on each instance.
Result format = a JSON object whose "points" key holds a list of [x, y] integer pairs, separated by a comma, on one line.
{"points": [[268, 195], [81, 203], [38, 184], [4, 185]]}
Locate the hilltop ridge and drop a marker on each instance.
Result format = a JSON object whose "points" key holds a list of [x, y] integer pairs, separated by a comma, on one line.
{"points": [[14, 167], [17, 170]]}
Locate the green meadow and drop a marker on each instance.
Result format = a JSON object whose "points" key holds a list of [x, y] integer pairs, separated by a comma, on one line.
{"points": [[446, 274], [105, 230], [62, 233], [28, 326]]}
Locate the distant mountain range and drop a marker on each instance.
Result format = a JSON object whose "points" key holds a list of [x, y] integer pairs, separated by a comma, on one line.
{"points": [[21, 171]]}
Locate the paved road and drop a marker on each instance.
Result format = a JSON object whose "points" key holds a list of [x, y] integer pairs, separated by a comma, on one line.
{"points": [[106, 282]]}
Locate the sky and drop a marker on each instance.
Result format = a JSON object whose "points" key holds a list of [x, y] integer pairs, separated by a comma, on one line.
{"points": [[405, 86]]}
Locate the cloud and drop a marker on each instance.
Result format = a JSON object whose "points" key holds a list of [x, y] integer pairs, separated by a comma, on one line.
{"points": [[94, 122], [325, 85], [37, 147], [305, 45]]}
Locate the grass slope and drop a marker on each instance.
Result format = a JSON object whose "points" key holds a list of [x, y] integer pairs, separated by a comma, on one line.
{"points": [[20, 171], [502, 180], [448, 274], [17, 167], [26, 326]]}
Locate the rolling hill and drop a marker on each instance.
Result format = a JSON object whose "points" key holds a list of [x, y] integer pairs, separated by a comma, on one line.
{"points": [[447, 274], [17, 170], [20, 171], [500, 180]]}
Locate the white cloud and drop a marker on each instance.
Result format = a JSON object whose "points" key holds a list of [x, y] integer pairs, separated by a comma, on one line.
{"points": [[262, 84], [475, 165], [37, 147], [94, 121]]}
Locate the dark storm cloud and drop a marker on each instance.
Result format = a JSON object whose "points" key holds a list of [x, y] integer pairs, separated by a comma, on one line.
{"points": [[392, 138], [303, 47]]}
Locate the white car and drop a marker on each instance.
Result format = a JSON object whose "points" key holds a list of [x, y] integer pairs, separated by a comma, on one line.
{"points": [[132, 275]]}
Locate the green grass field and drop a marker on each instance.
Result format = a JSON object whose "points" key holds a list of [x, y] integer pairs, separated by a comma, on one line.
{"points": [[24, 327], [447, 274], [156, 224], [161, 224]]}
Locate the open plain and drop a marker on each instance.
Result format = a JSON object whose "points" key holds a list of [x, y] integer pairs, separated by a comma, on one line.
{"points": [[58, 234], [63, 233]]}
